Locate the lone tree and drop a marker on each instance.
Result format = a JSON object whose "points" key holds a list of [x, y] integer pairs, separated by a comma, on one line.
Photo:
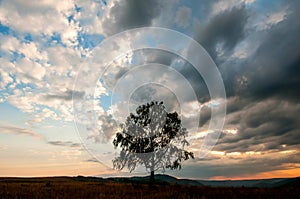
{"points": [[152, 137]]}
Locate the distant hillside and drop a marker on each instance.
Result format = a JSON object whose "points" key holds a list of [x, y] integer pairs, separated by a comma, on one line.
{"points": [[261, 183], [168, 180], [290, 182], [159, 179]]}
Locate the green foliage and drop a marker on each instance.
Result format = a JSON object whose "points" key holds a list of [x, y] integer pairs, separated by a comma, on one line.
{"points": [[152, 137]]}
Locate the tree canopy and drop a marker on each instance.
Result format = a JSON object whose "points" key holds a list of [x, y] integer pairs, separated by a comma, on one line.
{"points": [[151, 137]]}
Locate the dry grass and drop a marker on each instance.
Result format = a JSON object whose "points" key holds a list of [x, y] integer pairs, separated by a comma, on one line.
{"points": [[71, 188]]}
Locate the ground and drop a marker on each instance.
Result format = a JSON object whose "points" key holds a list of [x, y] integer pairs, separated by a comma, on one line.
{"points": [[64, 187]]}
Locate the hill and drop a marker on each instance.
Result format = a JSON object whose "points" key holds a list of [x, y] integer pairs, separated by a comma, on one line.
{"points": [[159, 179], [261, 183], [166, 179]]}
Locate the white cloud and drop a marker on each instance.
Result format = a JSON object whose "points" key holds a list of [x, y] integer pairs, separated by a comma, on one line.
{"points": [[92, 15], [45, 113], [5, 78], [245, 49], [9, 43], [223, 5], [70, 34], [272, 19], [240, 53], [23, 103], [30, 69], [47, 69], [31, 51], [36, 17], [51, 68]]}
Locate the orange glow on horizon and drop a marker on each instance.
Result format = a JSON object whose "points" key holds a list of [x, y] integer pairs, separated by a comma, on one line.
{"points": [[83, 168], [288, 173]]}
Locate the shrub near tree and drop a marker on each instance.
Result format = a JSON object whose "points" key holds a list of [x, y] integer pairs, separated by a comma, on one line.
{"points": [[151, 137]]}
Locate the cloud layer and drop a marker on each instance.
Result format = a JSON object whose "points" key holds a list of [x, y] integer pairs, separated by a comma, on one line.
{"points": [[255, 46]]}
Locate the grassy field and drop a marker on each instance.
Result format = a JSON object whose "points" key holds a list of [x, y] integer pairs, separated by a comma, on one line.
{"points": [[74, 188]]}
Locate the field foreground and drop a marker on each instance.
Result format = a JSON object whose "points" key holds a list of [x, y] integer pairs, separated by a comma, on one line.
{"points": [[67, 187]]}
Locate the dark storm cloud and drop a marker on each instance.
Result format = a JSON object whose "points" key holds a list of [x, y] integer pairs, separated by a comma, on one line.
{"points": [[205, 115], [235, 104], [273, 71], [67, 95], [127, 14], [196, 81], [267, 109], [226, 29], [232, 168], [166, 58], [262, 89], [264, 125]]}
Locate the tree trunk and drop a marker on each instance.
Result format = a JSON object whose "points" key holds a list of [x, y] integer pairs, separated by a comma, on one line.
{"points": [[152, 178], [152, 160]]}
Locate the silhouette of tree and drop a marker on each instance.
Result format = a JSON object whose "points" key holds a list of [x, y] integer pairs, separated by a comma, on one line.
{"points": [[152, 137]]}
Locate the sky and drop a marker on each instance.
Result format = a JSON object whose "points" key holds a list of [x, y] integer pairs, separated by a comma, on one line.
{"points": [[69, 74]]}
